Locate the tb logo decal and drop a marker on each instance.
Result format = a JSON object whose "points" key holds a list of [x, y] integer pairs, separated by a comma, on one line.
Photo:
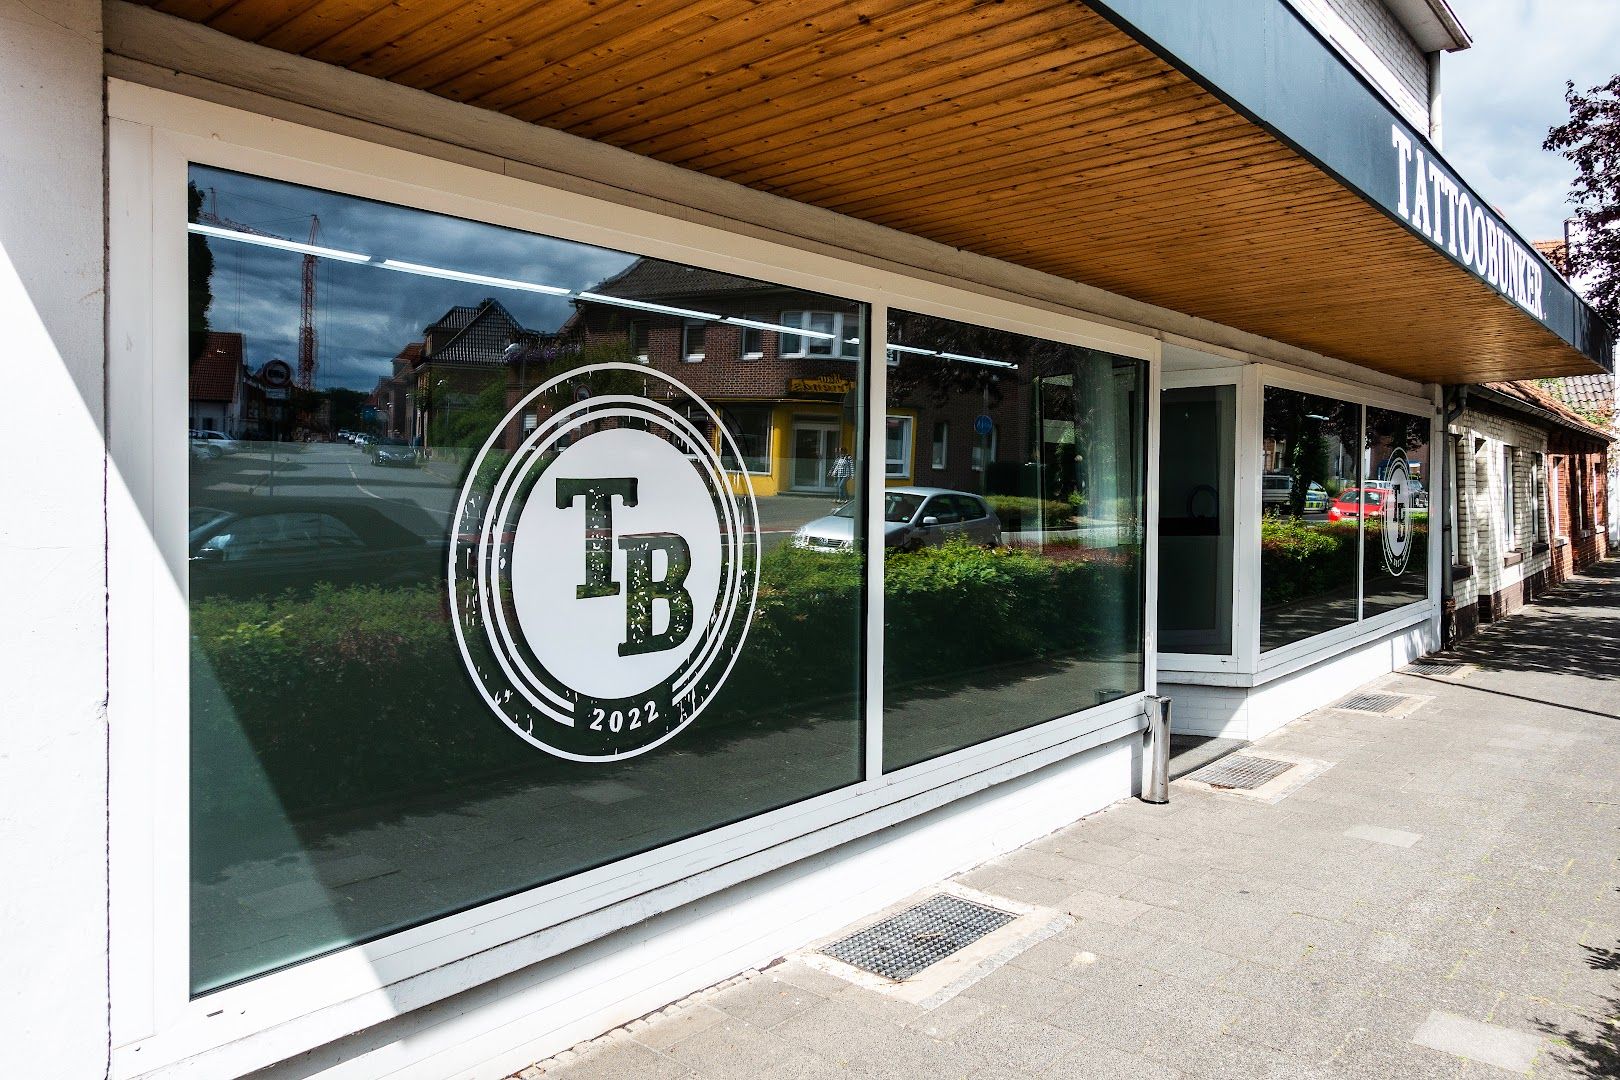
{"points": [[604, 572], [1397, 521]]}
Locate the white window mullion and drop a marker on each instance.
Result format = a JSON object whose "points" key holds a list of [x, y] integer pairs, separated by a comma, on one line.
{"points": [[877, 419]]}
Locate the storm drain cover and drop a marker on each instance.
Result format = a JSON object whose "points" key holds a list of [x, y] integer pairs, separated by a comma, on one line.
{"points": [[1240, 771], [1432, 667], [909, 941], [1374, 702]]}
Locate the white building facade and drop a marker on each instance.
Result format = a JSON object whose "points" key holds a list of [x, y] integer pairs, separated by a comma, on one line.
{"points": [[653, 649]]}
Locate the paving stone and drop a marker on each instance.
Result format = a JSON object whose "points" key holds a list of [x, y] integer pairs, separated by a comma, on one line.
{"points": [[1026, 1045], [1489, 1044], [764, 1001], [622, 1059], [670, 1028], [1094, 1059], [731, 1047]]}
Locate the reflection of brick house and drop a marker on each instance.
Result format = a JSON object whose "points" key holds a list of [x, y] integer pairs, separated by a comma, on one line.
{"points": [[789, 398], [215, 397]]}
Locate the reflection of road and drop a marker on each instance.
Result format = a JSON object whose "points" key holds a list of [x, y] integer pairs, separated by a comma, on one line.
{"points": [[330, 470], [781, 515]]}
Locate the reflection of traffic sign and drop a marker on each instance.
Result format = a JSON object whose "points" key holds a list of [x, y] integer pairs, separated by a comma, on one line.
{"points": [[984, 425], [276, 373], [277, 393]]}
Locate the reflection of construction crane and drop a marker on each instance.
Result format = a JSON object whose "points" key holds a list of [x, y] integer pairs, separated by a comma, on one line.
{"points": [[306, 301]]}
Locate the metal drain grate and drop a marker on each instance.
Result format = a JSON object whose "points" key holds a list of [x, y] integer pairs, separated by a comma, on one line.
{"points": [[1373, 702], [1240, 771], [1432, 667], [906, 943]]}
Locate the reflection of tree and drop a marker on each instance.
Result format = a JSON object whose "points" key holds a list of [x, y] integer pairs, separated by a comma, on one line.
{"points": [[199, 277], [1309, 429]]}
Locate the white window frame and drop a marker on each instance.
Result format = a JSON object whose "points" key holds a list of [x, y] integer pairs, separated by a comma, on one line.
{"points": [[1508, 470], [157, 1028], [699, 329], [1555, 525], [1538, 497], [843, 345], [940, 448], [742, 342], [899, 470], [1285, 659]]}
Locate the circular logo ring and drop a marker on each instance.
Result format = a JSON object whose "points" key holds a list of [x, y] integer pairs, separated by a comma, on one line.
{"points": [[1397, 518], [603, 575]]}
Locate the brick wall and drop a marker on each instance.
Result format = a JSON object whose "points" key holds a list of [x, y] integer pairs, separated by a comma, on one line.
{"points": [[1505, 575], [1377, 45]]}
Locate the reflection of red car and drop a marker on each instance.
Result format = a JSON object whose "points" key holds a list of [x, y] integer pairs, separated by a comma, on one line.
{"points": [[1357, 502]]}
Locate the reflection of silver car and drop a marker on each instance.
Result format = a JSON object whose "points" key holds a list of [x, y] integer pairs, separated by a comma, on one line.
{"points": [[913, 517]]}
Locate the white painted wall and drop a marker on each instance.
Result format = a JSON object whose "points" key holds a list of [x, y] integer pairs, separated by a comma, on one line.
{"points": [[53, 823]]}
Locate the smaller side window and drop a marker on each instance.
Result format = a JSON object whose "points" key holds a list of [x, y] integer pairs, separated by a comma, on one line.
{"points": [[692, 332]]}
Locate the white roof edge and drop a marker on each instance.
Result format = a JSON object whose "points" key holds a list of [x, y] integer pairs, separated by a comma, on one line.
{"points": [[1432, 24]]}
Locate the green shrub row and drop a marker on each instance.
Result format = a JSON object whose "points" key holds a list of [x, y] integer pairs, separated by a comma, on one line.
{"points": [[353, 696], [1019, 513]]}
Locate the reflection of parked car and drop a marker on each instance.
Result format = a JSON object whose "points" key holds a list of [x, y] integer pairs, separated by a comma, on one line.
{"points": [[217, 440], [1358, 502], [913, 517], [1276, 490], [1316, 498], [269, 544], [394, 452]]}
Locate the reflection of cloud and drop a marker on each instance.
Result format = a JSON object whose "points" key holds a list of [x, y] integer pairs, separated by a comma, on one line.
{"points": [[363, 315], [1503, 94]]}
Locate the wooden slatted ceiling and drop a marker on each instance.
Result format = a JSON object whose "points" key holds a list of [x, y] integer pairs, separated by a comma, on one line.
{"points": [[1032, 131]]}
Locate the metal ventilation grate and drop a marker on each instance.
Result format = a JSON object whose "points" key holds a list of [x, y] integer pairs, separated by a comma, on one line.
{"points": [[918, 937], [1373, 702], [1432, 667], [1240, 771]]}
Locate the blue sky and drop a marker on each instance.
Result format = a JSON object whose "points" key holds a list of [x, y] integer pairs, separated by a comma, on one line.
{"points": [[1503, 94]]}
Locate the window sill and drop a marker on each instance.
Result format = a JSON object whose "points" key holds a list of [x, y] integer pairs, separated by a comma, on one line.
{"points": [[1512, 558], [1540, 547], [1461, 572], [1562, 541]]}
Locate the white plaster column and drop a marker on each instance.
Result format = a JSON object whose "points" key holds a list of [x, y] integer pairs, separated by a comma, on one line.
{"points": [[53, 767]]}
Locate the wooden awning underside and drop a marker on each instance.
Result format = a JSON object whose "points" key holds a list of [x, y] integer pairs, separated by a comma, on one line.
{"points": [[1032, 131]]}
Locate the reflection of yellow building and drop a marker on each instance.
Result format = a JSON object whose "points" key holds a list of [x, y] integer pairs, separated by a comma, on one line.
{"points": [[792, 447]]}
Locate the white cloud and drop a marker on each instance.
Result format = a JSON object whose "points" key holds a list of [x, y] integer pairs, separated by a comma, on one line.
{"points": [[1501, 97]]}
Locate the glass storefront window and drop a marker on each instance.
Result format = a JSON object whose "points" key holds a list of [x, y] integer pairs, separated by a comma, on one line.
{"points": [[1313, 503], [1395, 559], [1197, 458], [479, 597], [1012, 587]]}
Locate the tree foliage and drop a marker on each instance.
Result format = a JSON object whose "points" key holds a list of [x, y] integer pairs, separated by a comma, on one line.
{"points": [[1590, 139]]}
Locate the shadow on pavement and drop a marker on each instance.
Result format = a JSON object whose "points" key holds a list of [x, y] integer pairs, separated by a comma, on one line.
{"points": [[1557, 634], [1592, 1053]]}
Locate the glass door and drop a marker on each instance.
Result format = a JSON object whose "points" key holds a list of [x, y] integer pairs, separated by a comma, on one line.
{"points": [[815, 450], [1197, 445]]}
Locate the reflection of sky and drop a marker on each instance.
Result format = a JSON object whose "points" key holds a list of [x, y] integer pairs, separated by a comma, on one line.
{"points": [[364, 315]]}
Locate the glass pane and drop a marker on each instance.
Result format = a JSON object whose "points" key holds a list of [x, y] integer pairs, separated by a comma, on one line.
{"points": [[1396, 538], [1013, 587], [1197, 462], [475, 602], [1313, 504]]}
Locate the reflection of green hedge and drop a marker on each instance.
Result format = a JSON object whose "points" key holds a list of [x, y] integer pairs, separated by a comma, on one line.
{"points": [[1018, 513], [1300, 559], [357, 695]]}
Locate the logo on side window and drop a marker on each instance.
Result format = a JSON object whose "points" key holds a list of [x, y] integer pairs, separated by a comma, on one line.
{"points": [[603, 572], [1397, 519]]}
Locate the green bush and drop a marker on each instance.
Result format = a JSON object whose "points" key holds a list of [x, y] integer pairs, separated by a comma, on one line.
{"points": [[357, 696], [1018, 513], [1300, 559]]}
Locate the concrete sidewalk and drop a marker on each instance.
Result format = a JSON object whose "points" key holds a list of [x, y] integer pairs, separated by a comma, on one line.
{"points": [[1442, 901]]}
